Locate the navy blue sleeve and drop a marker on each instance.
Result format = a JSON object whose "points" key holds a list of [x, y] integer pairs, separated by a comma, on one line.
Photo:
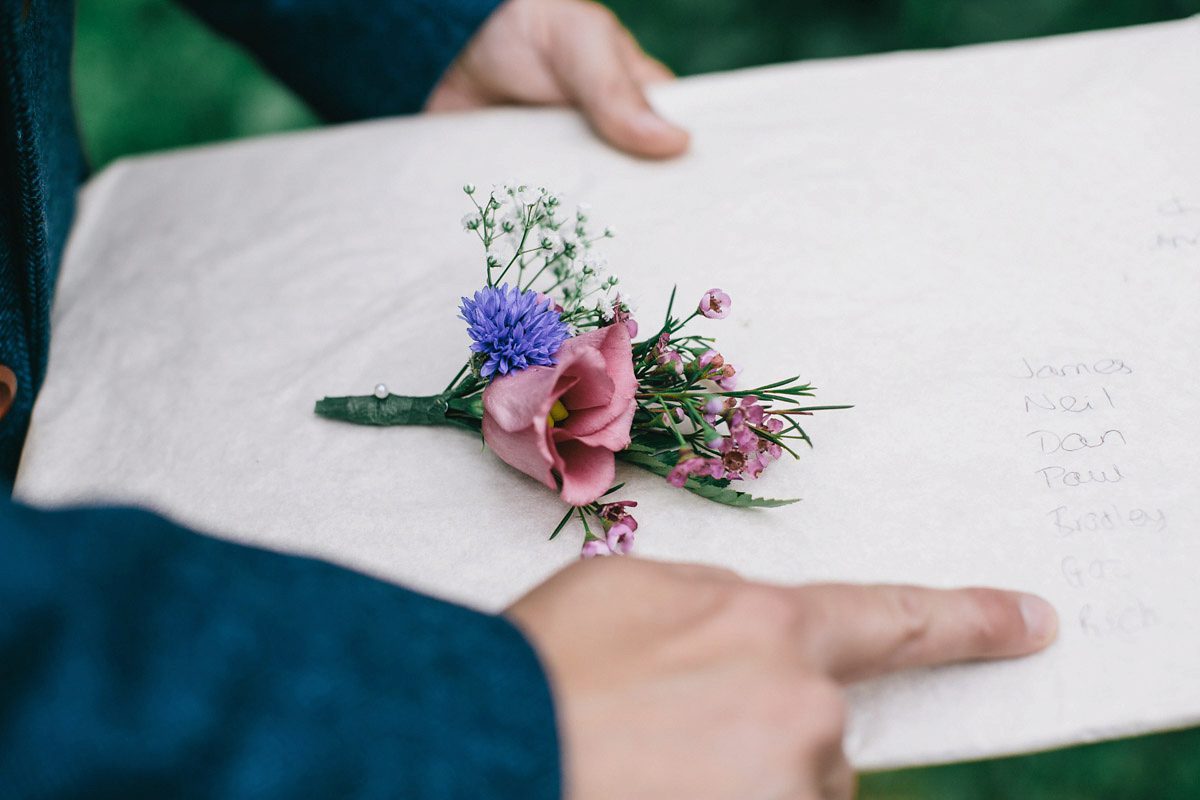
{"points": [[351, 60], [138, 659]]}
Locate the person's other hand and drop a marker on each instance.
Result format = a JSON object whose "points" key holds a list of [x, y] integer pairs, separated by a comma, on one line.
{"points": [[676, 681], [553, 52]]}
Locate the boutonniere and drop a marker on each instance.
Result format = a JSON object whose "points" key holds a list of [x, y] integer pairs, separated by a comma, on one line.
{"points": [[560, 387]]}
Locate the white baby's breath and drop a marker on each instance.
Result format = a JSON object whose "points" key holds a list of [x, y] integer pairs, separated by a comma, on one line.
{"points": [[533, 242], [605, 306], [594, 263], [503, 249], [530, 196]]}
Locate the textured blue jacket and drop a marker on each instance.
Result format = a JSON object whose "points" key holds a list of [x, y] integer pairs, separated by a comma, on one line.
{"points": [[138, 659]]}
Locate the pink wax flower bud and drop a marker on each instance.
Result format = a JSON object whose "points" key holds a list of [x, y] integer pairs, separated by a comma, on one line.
{"points": [[718, 407], [711, 359], [688, 464], [622, 316], [714, 304], [728, 379], [754, 412], [662, 345], [620, 537], [670, 359], [755, 464], [614, 512], [677, 414], [593, 548], [742, 434]]}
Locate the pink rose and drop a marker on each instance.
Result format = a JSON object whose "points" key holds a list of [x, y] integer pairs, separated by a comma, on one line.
{"points": [[594, 381]]}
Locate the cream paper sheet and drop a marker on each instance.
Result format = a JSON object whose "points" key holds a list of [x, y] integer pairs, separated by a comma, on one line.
{"points": [[993, 252]]}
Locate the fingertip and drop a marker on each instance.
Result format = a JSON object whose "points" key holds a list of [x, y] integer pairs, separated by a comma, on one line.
{"points": [[604, 76], [1041, 620], [644, 133]]}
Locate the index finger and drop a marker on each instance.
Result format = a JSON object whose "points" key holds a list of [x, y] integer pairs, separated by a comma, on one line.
{"points": [[863, 631]]}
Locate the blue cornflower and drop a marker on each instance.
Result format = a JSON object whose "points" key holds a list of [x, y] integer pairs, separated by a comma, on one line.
{"points": [[515, 329]]}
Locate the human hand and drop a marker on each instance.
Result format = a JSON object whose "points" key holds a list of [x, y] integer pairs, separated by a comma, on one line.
{"points": [[556, 52], [676, 681]]}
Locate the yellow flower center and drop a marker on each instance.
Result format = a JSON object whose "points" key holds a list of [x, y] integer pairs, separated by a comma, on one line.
{"points": [[558, 412]]}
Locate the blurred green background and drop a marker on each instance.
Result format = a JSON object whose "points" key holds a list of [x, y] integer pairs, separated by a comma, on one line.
{"points": [[148, 77]]}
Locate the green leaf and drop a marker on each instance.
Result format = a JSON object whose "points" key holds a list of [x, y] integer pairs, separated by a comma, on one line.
{"points": [[654, 446], [731, 497], [563, 523], [645, 461], [710, 433]]}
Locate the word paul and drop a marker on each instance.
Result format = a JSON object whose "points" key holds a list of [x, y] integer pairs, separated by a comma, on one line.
{"points": [[1062, 477]]}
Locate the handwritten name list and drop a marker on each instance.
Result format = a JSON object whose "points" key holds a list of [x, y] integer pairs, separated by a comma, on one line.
{"points": [[1085, 476]]}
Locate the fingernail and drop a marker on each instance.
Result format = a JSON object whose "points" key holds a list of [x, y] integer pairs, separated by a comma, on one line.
{"points": [[651, 123], [1041, 620]]}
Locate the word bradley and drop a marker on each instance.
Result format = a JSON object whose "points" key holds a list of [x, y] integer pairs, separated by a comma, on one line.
{"points": [[1105, 366], [1069, 403], [1060, 477], [1176, 206], [1070, 523], [1117, 620], [1082, 573], [1177, 242], [1050, 442]]}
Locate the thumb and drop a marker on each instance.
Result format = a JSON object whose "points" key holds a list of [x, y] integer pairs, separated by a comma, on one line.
{"points": [[596, 73]]}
